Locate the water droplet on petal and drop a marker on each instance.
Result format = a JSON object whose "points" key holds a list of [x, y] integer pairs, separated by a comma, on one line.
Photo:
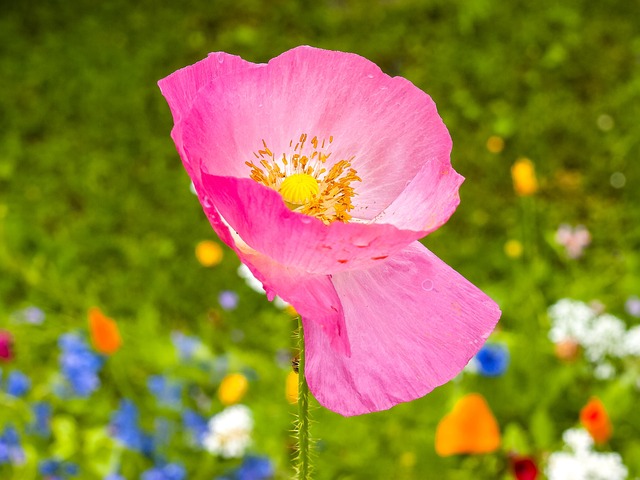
{"points": [[361, 242], [206, 203], [220, 59], [369, 76], [306, 220], [427, 285]]}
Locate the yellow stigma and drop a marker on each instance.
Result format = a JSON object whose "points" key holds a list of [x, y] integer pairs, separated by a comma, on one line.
{"points": [[299, 188], [306, 184]]}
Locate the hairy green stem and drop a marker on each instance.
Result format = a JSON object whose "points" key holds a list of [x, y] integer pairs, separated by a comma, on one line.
{"points": [[303, 468]]}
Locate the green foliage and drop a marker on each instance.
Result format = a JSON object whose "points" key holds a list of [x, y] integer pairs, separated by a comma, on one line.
{"points": [[95, 208]]}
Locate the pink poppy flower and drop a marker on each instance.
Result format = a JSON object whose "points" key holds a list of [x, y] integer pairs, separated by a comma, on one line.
{"points": [[322, 172]]}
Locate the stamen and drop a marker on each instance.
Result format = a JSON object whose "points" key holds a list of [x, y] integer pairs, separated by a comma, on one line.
{"points": [[303, 182]]}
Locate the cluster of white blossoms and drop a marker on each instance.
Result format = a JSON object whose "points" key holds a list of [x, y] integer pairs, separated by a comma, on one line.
{"points": [[229, 432], [602, 336], [581, 462]]}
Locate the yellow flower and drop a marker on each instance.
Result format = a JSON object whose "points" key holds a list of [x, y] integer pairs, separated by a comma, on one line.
{"points": [[104, 332], [523, 173], [513, 249], [408, 459], [291, 387], [233, 388], [209, 253]]}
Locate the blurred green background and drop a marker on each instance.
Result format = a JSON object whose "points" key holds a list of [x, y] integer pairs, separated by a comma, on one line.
{"points": [[95, 207]]}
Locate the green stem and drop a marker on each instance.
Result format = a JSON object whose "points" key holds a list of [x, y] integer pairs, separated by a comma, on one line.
{"points": [[303, 468]]}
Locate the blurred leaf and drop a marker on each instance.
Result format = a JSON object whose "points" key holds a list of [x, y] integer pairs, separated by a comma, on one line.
{"points": [[65, 436], [543, 430], [514, 439]]}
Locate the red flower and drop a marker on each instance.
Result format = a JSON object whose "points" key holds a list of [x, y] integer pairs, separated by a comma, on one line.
{"points": [[6, 341], [595, 420], [524, 468]]}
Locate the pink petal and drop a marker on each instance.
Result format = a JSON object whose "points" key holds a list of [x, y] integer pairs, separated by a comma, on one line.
{"points": [[413, 324], [181, 87], [428, 200], [265, 224], [313, 296], [389, 126]]}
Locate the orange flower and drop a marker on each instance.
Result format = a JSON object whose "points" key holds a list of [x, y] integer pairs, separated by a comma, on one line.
{"points": [[595, 420], [233, 388], [567, 350], [105, 335], [523, 173], [469, 428]]}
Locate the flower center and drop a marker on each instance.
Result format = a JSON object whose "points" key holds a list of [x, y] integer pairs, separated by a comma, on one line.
{"points": [[304, 183], [299, 188]]}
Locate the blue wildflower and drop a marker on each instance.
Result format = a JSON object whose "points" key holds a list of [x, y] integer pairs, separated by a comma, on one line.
{"points": [[125, 429], [252, 468], [492, 360], [170, 471], [32, 315], [255, 468], [54, 469], [42, 418], [79, 364], [196, 425], [186, 345], [228, 300], [114, 476], [10, 449], [167, 392], [18, 384]]}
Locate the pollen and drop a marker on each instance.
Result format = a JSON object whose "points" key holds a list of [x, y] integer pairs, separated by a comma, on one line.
{"points": [[305, 181]]}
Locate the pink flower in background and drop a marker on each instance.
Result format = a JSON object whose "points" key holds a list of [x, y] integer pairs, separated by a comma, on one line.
{"points": [[322, 172], [6, 346], [573, 239]]}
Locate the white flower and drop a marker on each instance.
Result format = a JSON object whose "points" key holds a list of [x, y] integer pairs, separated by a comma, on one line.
{"points": [[570, 320], [578, 440], [604, 337], [604, 371], [229, 432], [632, 342], [601, 336], [582, 463]]}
